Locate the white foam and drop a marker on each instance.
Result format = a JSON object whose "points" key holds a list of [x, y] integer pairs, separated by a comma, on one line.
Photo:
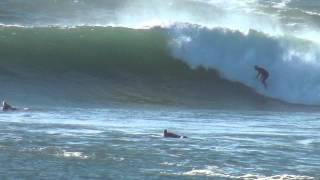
{"points": [[72, 154], [276, 177], [208, 171], [213, 171], [282, 4], [167, 164], [312, 13]]}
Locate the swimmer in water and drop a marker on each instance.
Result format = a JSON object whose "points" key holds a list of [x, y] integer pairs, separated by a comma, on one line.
{"points": [[167, 134]]}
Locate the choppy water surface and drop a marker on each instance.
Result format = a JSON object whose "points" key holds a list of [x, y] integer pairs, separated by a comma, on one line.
{"points": [[127, 144]]}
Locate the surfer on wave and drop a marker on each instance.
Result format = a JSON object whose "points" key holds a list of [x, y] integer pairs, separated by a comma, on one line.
{"points": [[262, 75]]}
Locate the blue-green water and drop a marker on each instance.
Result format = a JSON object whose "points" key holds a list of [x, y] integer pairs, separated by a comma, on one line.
{"points": [[104, 78], [127, 143]]}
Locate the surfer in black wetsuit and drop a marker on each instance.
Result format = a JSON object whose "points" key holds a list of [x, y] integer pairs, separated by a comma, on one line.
{"points": [[7, 107], [262, 75], [167, 134]]}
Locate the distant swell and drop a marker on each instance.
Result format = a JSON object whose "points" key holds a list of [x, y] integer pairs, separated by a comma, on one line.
{"points": [[99, 65]]}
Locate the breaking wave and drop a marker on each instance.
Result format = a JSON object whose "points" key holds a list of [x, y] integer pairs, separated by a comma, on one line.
{"points": [[181, 63]]}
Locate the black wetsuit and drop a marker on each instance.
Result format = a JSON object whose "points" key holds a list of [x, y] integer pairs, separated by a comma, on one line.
{"points": [[172, 135], [263, 74]]}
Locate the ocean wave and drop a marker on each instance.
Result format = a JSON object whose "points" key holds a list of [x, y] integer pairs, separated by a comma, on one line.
{"points": [[180, 64]]}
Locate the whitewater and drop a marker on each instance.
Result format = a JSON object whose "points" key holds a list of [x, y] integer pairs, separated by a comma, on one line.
{"points": [[104, 78]]}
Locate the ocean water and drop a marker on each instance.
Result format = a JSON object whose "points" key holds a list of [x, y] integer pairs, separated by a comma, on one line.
{"points": [[127, 143], [102, 79]]}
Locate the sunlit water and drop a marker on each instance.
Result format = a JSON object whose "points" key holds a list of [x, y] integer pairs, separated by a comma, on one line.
{"points": [[128, 144]]}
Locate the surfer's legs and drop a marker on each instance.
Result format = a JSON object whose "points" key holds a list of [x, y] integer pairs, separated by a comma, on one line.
{"points": [[265, 85], [263, 80]]}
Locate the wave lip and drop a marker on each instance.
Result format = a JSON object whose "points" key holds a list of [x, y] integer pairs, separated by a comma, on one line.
{"points": [[264, 16]]}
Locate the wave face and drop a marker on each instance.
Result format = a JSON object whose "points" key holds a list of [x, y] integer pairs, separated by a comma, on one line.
{"points": [[103, 65], [105, 49]]}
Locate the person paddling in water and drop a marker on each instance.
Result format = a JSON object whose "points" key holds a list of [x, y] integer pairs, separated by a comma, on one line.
{"points": [[7, 107], [262, 75], [167, 134]]}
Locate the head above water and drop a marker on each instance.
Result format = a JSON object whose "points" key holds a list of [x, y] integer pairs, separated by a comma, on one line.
{"points": [[165, 131], [256, 66]]}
